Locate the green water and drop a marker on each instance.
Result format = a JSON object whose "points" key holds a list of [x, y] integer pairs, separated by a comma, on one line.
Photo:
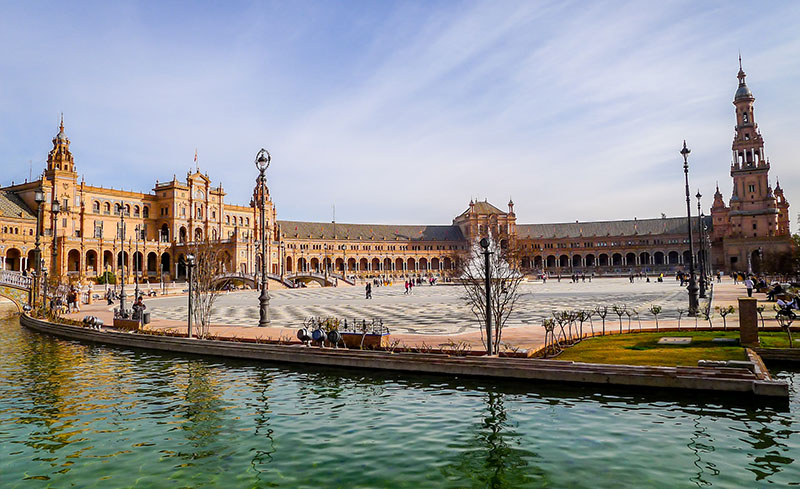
{"points": [[79, 415]]}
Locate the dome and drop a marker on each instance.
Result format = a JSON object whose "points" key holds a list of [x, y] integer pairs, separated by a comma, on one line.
{"points": [[743, 92]]}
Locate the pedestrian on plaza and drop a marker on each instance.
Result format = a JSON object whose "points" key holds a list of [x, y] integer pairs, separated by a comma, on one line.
{"points": [[410, 286], [748, 283], [406, 292], [719, 277], [369, 290], [591, 277], [583, 276], [138, 308]]}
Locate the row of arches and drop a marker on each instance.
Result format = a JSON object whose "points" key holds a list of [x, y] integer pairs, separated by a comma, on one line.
{"points": [[378, 265], [105, 207], [629, 259]]}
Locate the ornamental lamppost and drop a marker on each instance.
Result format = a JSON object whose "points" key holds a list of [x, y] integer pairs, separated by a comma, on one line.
{"points": [[55, 208], [693, 301], [189, 268], [701, 268], [38, 197], [137, 265], [263, 159], [486, 255], [122, 259]]}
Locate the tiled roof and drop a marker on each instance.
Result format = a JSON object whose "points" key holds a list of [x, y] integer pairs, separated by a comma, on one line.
{"points": [[483, 208], [366, 232], [12, 206], [635, 227]]}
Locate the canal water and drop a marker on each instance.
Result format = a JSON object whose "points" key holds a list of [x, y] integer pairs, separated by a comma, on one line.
{"points": [[82, 415]]}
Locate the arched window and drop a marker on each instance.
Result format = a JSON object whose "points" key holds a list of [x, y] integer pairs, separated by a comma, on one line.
{"points": [[199, 212], [247, 221], [127, 209], [136, 211], [96, 207], [241, 221], [213, 214], [107, 208], [744, 117], [146, 212], [228, 219]]}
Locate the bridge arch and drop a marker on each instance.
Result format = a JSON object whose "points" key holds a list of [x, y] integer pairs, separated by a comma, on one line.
{"points": [[16, 287]]}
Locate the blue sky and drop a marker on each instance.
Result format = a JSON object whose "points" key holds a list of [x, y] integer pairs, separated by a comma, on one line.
{"points": [[402, 112]]}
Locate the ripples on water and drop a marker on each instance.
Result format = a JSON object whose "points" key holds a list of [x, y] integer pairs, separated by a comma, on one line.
{"points": [[79, 415]]}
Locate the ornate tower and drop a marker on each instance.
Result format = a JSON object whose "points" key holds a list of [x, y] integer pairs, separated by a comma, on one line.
{"points": [[753, 207], [755, 224], [60, 158]]}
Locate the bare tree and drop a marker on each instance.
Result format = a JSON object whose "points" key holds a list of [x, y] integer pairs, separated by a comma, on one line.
{"points": [[503, 290], [208, 266]]}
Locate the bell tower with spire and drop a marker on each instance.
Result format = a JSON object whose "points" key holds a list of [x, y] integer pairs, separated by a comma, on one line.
{"points": [[60, 157], [756, 221]]}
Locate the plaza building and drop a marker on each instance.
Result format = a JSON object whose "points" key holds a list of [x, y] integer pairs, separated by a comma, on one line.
{"points": [[92, 229]]}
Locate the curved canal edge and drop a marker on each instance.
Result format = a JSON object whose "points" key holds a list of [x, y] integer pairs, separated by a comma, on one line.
{"points": [[733, 380]]}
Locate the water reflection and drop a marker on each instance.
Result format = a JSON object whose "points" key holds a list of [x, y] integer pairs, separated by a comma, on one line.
{"points": [[493, 457], [66, 408]]}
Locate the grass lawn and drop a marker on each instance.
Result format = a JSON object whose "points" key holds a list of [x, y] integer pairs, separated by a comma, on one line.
{"points": [[778, 339], [642, 349]]}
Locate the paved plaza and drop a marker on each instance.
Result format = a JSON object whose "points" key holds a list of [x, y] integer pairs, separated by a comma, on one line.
{"points": [[431, 310]]}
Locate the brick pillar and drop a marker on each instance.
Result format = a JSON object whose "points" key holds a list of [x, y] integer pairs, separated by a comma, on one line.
{"points": [[748, 321]]}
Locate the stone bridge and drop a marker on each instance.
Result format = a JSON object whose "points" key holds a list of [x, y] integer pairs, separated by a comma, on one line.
{"points": [[15, 286], [321, 278], [248, 279]]}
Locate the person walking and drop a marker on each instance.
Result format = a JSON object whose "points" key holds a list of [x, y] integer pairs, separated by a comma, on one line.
{"points": [[369, 290], [406, 292], [748, 283]]}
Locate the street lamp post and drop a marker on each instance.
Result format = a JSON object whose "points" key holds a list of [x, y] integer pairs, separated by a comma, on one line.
{"points": [[189, 267], [122, 259], [263, 159], [137, 265], [486, 255], [44, 279], [701, 268], [38, 197], [692, 289], [283, 260], [55, 208]]}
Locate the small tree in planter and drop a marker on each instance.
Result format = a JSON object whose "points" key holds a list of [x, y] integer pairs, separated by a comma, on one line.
{"points": [[602, 311], [589, 313], [619, 310], [629, 313], [707, 313], [550, 343], [581, 316], [681, 312], [760, 310], [635, 313], [724, 311], [655, 310], [786, 325]]}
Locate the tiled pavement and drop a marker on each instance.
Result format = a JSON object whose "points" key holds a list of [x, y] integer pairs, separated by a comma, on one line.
{"points": [[437, 310]]}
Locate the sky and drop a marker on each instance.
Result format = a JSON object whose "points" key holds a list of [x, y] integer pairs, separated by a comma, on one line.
{"points": [[401, 112]]}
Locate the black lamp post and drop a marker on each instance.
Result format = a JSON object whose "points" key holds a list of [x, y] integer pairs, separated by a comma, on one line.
{"points": [[486, 255], [55, 208], [263, 159], [189, 267], [38, 197], [701, 268], [137, 265], [44, 279], [693, 301], [122, 259]]}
